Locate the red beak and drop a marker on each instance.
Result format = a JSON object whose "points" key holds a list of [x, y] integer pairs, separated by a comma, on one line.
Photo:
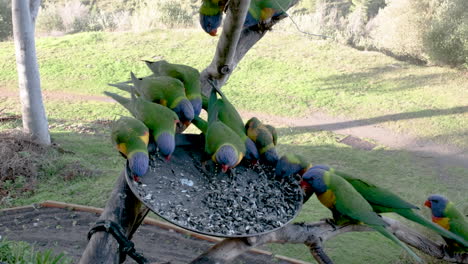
{"points": [[304, 185], [136, 178], [224, 168], [213, 32], [186, 123], [168, 157], [428, 204]]}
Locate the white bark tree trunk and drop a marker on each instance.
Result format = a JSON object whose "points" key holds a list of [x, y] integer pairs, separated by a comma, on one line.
{"points": [[35, 123]]}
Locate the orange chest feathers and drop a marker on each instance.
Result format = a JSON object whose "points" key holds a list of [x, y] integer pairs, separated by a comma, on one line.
{"points": [[327, 198], [442, 221]]}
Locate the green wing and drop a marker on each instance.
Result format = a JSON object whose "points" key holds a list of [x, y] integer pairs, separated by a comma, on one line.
{"points": [[189, 76], [274, 134], [375, 195], [156, 117], [219, 134], [457, 223], [350, 203], [130, 131]]}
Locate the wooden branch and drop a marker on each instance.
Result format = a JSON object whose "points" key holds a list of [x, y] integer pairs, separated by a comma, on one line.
{"points": [[231, 50], [124, 209], [314, 234], [227, 44]]}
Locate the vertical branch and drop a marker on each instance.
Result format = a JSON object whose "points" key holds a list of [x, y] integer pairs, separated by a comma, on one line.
{"points": [[221, 65], [220, 68], [122, 208]]}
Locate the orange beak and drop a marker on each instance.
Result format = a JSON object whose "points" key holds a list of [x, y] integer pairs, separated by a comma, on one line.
{"points": [[428, 204], [213, 32]]}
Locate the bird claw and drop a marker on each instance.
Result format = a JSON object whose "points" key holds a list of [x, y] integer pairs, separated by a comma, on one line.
{"points": [[330, 221]]}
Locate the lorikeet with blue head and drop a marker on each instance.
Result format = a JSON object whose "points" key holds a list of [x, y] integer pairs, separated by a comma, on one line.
{"points": [[228, 114], [189, 76], [160, 120], [265, 138], [211, 15], [163, 90], [384, 201], [222, 144], [346, 203], [291, 164], [130, 136], [446, 215], [261, 11]]}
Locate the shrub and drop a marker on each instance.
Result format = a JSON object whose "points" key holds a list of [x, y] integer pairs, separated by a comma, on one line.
{"points": [[446, 41], [401, 26], [172, 14], [6, 26]]}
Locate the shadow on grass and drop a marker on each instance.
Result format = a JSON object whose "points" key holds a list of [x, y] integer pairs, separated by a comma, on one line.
{"points": [[376, 120], [357, 81]]}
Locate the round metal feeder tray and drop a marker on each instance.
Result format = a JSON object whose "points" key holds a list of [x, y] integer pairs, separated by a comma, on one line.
{"points": [[247, 201]]}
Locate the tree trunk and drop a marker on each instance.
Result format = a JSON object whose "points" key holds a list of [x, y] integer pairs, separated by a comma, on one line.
{"points": [[33, 112]]}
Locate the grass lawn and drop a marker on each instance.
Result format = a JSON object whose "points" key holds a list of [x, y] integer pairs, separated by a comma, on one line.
{"points": [[293, 81]]}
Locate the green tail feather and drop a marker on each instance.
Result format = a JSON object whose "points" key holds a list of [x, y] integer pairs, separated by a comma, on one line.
{"points": [[212, 111], [125, 102], [154, 66], [410, 215], [122, 86], [389, 235], [200, 124]]}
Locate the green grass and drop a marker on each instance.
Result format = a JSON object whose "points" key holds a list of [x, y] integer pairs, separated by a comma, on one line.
{"points": [[24, 253], [306, 76]]}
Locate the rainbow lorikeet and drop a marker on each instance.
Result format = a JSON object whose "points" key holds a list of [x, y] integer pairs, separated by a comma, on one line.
{"points": [[260, 11], [160, 120], [211, 15], [228, 114], [385, 201], [189, 76], [291, 164], [163, 90], [222, 144], [130, 136], [448, 217], [265, 138], [346, 203]]}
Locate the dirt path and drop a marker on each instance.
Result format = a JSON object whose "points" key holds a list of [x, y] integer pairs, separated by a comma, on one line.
{"points": [[160, 245], [443, 155]]}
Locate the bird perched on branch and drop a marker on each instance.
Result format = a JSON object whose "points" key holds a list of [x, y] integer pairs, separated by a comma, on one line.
{"points": [[164, 90], [448, 217], [385, 201], [211, 15], [265, 138], [291, 164], [160, 120], [222, 144], [346, 203], [228, 114], [261, 11], [189, 76], [130, 136]]}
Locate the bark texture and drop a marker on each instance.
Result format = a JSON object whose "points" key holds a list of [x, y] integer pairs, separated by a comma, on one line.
{"points": [[35, 123]]}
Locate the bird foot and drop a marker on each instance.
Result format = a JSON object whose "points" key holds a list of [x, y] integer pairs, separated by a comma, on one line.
{"points": [[330, 221]]}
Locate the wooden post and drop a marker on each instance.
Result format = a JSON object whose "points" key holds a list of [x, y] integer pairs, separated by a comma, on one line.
{"points": [[122, 208]]}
